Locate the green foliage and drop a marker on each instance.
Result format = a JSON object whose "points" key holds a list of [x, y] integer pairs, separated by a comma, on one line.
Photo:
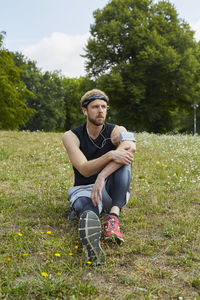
{"points": [[56, 99], [73, 89], [146, 59], [13, 93], [48, 99], [48, 103]]}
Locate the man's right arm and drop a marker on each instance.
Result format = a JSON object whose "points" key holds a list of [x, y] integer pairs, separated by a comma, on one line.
{"points": [[90, 167]]}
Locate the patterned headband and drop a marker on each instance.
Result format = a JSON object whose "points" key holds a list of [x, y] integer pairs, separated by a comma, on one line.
{"points": [[92, 98]]}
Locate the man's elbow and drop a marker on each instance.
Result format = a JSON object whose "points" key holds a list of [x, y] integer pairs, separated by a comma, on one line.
{"points": [[84, 172]]}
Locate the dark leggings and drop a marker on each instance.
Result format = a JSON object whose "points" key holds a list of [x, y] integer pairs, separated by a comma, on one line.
{"points": [[117, 185]]}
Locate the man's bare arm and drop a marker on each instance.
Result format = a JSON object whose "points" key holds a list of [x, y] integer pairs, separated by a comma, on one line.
{"points": [[96, 193], [128, 145], [111, 167], [90, 167]]}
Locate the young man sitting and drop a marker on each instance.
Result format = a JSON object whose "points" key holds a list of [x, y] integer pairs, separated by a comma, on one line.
{"points": [[101, 155]]}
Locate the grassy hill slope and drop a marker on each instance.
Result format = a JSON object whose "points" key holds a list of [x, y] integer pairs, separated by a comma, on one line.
{"points": [[40, 254]]}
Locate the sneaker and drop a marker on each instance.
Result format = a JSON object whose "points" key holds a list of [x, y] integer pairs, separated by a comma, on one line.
{"points": [[112, 230], [90, 233]]}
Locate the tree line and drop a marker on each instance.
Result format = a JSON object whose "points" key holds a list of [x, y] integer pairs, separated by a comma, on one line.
{"points": [[140, 53]]}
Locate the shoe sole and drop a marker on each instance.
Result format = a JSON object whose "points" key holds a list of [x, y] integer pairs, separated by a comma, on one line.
{"points": [[90, 233]]}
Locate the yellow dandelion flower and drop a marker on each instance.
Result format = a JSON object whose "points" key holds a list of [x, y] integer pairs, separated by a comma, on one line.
{"points": [[48, 232], [25, 254], [89, 262], [58, 273], [70, 253], [19, 234], [76, 247], [44, 274], [57, 254], [9, 259], [42, 232]]}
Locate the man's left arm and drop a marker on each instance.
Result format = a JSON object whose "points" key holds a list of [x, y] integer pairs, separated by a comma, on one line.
{"points": [[112, 166], [126, 143]]}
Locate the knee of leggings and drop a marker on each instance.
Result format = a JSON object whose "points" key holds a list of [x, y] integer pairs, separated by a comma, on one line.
{"points": [[78, 206], [123, 174], [124, 169], [84, 203]]}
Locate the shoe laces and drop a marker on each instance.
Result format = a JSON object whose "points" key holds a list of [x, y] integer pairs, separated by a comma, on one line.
{"points": [[112, 224]]}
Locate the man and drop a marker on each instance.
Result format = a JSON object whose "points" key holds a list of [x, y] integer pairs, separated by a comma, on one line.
{"points": [[101, 155]]}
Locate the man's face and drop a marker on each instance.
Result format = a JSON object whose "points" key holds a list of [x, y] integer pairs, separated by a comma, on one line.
{"points": [[96, 112]]}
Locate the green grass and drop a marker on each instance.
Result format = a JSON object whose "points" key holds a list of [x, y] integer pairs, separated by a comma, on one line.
{"points": [[161, 255]]}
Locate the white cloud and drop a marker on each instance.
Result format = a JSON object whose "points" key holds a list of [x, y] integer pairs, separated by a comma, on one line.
{"points": [[62, 52], [59, 52], [196, 28]]}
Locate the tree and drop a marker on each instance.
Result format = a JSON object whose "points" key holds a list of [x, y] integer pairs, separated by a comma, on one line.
{"points": [[73, 89], [48, 99], [144, 57], [49, 103], [13, 93], [185, 118], [56, 98]]}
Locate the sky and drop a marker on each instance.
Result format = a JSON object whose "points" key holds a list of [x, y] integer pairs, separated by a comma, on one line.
{"points": [[54, 33]]}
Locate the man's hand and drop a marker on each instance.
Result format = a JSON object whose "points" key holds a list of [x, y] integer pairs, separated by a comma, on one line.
{"points": [[123, 156], [97, 190]]}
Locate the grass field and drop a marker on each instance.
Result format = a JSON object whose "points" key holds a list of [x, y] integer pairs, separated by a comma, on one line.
{"points": [[40, 255]]}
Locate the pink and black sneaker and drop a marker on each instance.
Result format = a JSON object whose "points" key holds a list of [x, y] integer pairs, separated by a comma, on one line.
{"points": [[112, 229]]}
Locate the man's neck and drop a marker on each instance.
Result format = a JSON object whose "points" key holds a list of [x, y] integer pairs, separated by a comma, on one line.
{"points": [[93, 130]]}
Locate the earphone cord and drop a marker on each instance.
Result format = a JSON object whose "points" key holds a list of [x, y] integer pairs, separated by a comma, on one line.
{"points": [[104, 139]]}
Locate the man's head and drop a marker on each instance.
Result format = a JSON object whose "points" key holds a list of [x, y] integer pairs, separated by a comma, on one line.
{"points": [[94, 106], [93, 95]]}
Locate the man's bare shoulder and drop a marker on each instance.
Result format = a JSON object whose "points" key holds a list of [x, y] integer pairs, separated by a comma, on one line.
{"points": [[70, 138], [115, 134], [119, 128]]}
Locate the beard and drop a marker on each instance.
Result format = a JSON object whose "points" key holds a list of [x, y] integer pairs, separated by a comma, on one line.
{"points": [[96, 122]]}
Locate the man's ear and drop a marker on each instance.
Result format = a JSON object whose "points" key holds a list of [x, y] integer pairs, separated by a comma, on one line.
{"points": [[84, 110]]}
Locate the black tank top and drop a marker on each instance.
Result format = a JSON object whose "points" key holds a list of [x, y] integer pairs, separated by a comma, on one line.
{"points": [[90, 150]]}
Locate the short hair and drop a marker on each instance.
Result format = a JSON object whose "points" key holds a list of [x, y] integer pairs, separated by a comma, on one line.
{"points": [[91, 93]]}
